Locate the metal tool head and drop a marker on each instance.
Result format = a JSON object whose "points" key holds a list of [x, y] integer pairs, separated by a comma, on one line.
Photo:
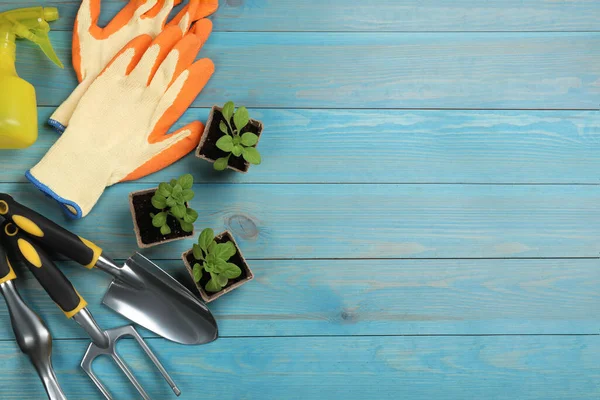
{"points": [[113, 335], [162, 305], [33, 338]]}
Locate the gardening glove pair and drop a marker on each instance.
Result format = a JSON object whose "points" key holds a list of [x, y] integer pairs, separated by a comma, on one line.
{"points": [[118, 132], [93, 47]]}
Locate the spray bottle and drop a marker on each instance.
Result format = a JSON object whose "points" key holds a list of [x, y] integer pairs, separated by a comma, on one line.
{"points": [[18, 109]]}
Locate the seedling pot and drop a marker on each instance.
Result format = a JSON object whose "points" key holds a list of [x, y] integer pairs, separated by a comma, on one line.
{"points": [[146, 234], [238, 259], [208, 150]]}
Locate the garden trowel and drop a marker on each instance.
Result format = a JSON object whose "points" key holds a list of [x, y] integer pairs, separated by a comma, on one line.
{"points": [[141, 291]]}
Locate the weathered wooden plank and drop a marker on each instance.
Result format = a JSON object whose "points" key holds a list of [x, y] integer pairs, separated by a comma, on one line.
{"points": [[364, 221], [372, 297], [375, 16], [503, 368], [390, 146], [377, 70]]}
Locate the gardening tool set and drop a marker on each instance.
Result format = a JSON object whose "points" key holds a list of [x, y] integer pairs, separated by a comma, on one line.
{"points": [[141, 291], [137, 76]]}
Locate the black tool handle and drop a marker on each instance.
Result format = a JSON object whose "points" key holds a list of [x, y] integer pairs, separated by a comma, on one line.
{"points": [[50, 234], [6, 270], [45, 271]]}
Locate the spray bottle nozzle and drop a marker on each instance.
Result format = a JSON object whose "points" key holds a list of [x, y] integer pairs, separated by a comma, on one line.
{"points": [[50, 14], [31, 24]]}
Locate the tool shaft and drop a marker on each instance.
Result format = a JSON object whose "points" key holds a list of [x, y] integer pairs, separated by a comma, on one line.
{"points": [[85, 319], [33, 339]]}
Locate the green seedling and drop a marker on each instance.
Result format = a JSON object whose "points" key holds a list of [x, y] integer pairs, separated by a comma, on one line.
{"points": [[232, 142], [170, 199], [214, 258]]}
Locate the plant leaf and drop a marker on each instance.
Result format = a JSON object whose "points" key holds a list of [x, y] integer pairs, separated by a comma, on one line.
{"points": [[190, 216], [178, 210], [186, 181], [211, 246], [231, 271], [173, 182], [159, 201], [186, 226], [237, 140], [224, 251], [209, 267], [187, 194], [212, 286], [205, 239], [159, 220], [252, 155], [237, 150], [249, 139], [177, 190], [220, 265], [165, 230], [223, 127], [221, 163], [241, 118], [164, 189], [225, 143], [222, 280], [228, 110], [197, 270], [197, 251]]}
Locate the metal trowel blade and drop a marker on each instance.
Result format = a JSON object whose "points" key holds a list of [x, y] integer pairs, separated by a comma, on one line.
{"points": [[164, 306]]}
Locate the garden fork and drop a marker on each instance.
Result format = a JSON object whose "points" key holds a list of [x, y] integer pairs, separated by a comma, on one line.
{"points": [[73, 305]]}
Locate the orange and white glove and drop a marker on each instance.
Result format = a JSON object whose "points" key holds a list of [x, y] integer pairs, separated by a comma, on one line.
{"points": [[93, 47], [118, 131]]}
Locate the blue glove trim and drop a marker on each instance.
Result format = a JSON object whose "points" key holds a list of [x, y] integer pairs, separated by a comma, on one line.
{"points": [[50, 193], [58, 127]]}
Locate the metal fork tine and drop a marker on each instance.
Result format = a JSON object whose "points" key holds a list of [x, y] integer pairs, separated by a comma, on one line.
{"points": [[129, 375], [155, 360], [94, 378]]}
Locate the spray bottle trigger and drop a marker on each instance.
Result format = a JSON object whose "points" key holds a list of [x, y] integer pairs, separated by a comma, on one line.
{"points": [[41, 39]]}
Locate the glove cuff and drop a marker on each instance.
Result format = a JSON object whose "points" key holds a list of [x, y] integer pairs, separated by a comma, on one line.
{"points": [[71, 209], [58, 127]]}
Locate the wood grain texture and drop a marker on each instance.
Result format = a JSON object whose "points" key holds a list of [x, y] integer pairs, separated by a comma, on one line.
{"points": [[371, 297], [390, 146], [375, 15], [376, 70], [363, 221], [445, 368]]}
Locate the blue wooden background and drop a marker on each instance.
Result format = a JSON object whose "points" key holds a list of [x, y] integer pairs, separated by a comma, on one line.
{"points": [[425, 224]]}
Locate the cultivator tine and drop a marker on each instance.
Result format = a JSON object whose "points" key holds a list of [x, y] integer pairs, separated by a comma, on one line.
{"points": [[155, 360], [130, 375], [86, 365]]}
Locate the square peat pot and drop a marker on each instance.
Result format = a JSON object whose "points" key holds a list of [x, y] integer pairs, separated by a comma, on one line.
{"points": [[147, 235], [208, 150], [237, 259]]}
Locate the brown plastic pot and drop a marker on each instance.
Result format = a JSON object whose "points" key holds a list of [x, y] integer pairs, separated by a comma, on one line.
{"points": [[146, 234], [208, 150], [238, 259]]}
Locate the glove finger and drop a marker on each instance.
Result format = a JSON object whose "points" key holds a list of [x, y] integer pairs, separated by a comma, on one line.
{"points": [[196, 10], [161, 11], [88, 14], [183, 19], [143, 6], [156, 54], [176, 146], [120, 20], [181, 57], [179, 97], [205, 8], [128, 57]]}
